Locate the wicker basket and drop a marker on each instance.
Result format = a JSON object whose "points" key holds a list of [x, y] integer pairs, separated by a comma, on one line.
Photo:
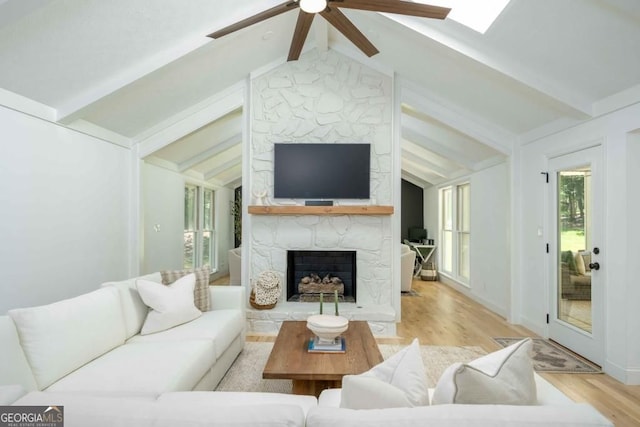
{"points": [[252, 301]]}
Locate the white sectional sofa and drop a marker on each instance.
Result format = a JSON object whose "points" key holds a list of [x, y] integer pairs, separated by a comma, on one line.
{"points": [[86, 354], [553, 408], [90, 344]]}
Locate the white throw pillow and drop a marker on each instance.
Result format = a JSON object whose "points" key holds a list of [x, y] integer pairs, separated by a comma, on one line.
{"points": [[504, 377], [399, 381], [171, 305]]}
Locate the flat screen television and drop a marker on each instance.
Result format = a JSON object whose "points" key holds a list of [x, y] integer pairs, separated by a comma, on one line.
{"points": [[321, 171]]}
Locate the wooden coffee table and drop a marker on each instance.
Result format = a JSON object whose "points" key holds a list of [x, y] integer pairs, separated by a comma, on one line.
{"points": [[313, 372]]}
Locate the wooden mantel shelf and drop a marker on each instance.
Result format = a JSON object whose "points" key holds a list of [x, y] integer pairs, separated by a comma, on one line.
{"points": [[322, 210]]}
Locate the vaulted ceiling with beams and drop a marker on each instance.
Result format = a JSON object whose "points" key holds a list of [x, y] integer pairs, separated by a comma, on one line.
{"points": [[138, 72]]}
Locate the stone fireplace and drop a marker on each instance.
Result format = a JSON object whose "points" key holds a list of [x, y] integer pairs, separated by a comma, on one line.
{"points": [[325, 97], [311, 272]]}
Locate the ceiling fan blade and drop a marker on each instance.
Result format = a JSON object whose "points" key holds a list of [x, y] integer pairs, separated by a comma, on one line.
{"points": [[394, 6], [269, 13], [300, 34], [346, 27]]}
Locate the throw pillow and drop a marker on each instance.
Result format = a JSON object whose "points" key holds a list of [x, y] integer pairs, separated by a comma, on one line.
{"points": [[171, 305], [399, 381], [201, 291], [586, 258], [569, 259], [580, 267], [504, 377]]}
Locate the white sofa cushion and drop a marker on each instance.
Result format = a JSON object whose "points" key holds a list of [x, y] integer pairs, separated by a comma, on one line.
{"points": [[503, 377], [238, 399], [100, 411], [61, 337], [133, 308], [142, 369], [220, 326], [572, 415], [14, 368], [362, 392], [11, 393], [398, 381], [171, 305]]}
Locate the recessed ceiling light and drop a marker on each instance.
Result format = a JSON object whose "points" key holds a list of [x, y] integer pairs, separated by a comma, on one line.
{"points": [[267, 35]]}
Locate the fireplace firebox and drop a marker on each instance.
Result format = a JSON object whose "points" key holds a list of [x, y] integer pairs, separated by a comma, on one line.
{"points": [[310, 273]]}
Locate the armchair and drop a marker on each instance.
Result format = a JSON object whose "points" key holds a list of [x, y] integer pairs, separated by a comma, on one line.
{"points": [[235, 266], [407, 263]]}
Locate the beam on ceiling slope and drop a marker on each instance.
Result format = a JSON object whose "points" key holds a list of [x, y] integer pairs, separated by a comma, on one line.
{"points": [[74, 108], [420, 176], [190, 120], [232, 179], [463, 121], [234, 182], [100, 132], [420, 182], [207, 154], [575, 103], [419, 164], [421, 139], [223, 167], [412, 157], [616, 101], [26, 105]]}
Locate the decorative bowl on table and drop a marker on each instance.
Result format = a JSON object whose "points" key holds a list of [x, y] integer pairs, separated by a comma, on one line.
{"points": [[327, 327]]}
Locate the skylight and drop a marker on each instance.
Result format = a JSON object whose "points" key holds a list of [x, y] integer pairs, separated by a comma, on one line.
{"points": [[475, 14]]}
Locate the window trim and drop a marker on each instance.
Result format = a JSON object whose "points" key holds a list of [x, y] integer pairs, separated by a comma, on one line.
{"points": [[198, 246], [455, 230]]}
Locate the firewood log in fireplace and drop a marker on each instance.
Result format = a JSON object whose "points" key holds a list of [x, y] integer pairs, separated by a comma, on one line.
{"points": [[314, 284]]}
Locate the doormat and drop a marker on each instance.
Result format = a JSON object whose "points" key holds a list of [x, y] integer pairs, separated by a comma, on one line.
{"points": [[550, 357]]}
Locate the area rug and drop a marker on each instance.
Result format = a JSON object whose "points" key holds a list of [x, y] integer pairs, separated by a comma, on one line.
{"points": [[550, 357], [246, 372]]}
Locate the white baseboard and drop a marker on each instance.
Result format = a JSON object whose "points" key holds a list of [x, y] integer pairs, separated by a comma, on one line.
{"points": [[627, 376]]}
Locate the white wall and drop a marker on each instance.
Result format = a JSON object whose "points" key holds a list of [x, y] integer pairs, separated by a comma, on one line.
{"points": [[163, 205], [621, 158], [224, 229], [633, 254], [490, 254], [490, 250], [64, 216]]}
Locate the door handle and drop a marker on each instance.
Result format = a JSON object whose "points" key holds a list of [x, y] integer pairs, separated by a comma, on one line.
{"points": [[594, 266]]}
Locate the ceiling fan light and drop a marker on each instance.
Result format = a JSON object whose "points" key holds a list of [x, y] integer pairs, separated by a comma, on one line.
{"points": [[313, 6]]}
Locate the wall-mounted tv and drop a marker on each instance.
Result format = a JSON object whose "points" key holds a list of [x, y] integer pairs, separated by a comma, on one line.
{"points": [[321, 171]]}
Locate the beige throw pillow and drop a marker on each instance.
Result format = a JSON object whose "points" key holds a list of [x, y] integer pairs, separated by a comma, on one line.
{"points": [[399, 381], [580, 267], [201, 296], [171, 305], [504, 377]]}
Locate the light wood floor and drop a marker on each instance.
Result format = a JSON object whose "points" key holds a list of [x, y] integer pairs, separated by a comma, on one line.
{"points": [[443, 316]]}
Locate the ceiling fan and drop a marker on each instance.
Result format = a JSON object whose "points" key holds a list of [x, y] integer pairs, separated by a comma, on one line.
{"points": [[330, 10]]}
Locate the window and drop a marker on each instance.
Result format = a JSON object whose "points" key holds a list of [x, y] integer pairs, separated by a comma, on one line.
{"points": [[199, 233], [455, 231], [464, 236]]}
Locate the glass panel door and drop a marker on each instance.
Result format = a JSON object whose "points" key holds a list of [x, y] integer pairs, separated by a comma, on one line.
{"points": [[576, 279], [574, 206]]}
